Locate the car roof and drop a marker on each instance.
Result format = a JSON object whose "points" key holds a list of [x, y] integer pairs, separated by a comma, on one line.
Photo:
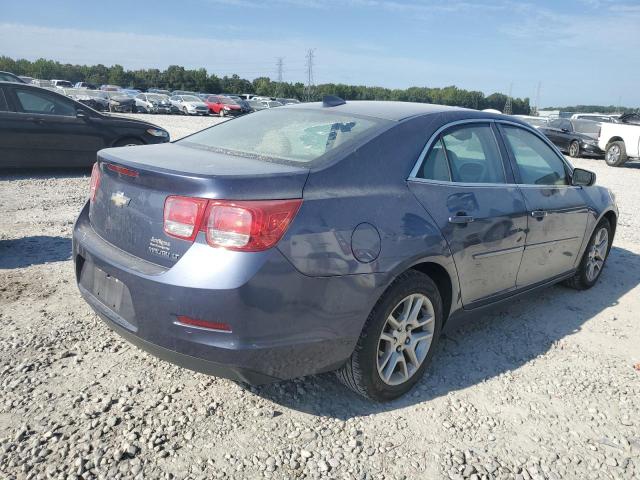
{"points": [[385, 110]]}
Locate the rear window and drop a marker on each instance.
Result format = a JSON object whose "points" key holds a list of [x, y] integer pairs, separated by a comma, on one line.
{"points": [[299, 136]]}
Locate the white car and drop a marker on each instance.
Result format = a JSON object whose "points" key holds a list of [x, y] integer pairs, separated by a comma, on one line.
{"points": [[595, 117], [620, 141], [61, 84], [536, 122], [189, 104]]}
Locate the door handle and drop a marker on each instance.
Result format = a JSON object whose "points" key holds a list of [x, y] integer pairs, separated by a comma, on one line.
{"points": [[39, 121], [461, 219], [539, 214]]}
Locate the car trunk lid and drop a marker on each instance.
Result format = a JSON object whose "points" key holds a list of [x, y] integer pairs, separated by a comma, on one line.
{"points": [[135, 182]]}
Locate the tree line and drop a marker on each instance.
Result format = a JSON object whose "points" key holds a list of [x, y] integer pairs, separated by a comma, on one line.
{"points": [[595, 108], [177, 77]]}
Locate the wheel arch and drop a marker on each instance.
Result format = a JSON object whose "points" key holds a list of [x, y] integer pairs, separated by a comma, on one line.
{"points": [[615, 139], [613, 220], [125, 138], [441, 277]]}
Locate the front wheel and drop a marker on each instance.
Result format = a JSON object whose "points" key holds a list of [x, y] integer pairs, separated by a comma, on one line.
{"points": [[574, 149], [616, 154], [221, 113], [397, 341], [594, 258]]}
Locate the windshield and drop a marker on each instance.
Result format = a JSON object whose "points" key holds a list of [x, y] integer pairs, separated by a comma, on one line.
{"points": [[293, 135], [190, 98], [155, 98]]}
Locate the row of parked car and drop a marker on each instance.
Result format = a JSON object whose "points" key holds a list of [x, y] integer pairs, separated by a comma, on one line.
{"points": [[614, 137], [113, 98]]}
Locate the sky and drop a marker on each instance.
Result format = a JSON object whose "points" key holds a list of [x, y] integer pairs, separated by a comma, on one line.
{"points": [[579, 51]]}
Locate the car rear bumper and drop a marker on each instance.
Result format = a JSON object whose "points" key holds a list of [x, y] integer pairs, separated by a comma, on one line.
{"points": [[284, 324]]}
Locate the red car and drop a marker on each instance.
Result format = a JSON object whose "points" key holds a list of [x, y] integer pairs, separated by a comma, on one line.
{"points": [[222, 105]]}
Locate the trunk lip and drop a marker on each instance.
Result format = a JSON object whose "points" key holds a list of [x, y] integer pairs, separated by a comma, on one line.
{"points": [[264, 168]]}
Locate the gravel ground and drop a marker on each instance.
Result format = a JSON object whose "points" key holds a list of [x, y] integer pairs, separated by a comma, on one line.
{"points": [[543, 388]]}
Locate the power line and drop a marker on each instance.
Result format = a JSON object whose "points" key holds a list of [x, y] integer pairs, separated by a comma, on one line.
{"points": [[308, 89]]}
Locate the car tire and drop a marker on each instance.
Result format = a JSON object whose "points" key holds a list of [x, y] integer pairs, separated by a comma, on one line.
{"points": [[128, 142], [382, 366], [593, 259], [615, 154], [574, 149], [221, 112], [184, 111]]}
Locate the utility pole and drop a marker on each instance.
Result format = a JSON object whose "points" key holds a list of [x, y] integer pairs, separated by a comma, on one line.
{"points": [[508, 107], [537, 106], [280, 67], [308, 89]]}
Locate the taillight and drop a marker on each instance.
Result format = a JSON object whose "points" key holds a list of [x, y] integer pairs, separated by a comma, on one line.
{"points": [[183, 216], [122, 170], [95, 182], [248, 226]]}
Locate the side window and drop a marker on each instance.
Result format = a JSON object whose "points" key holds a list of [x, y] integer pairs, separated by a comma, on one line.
{"points": [[555, 123], [538, 163], [465, 154], [32, 101], [435, 166], [3, 103], [566, 125]]}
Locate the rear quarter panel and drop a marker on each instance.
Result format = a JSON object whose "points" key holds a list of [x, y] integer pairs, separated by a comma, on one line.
{"points": [[367, 186]]}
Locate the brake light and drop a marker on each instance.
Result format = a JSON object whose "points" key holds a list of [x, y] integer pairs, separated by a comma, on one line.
{"points": [[122, 170], [248, 226], [95, 182], [183, 216]]}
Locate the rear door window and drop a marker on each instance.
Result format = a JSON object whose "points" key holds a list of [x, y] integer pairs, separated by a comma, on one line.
{"points": [[3, 102], [465, 154]]}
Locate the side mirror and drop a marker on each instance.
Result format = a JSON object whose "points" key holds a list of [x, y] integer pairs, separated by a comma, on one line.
{"points": [[81, 114], [582, 178], [565, 130]]}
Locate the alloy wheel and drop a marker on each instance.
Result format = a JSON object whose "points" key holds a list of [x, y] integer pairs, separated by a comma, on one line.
{"points": [[405, 339], [597, 254], [613, 154], [573, 149]]}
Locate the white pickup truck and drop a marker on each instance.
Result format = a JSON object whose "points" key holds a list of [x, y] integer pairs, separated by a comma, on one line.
{"points": [[621, 140]]}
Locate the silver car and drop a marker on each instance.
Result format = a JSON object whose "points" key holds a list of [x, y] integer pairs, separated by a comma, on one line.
{"points": [[189, 105]]}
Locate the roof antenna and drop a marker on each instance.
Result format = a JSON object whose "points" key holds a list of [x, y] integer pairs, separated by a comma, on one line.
{"points": [[332, 101]]}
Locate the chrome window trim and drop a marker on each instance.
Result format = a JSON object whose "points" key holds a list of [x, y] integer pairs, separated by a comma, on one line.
{"points": [[413, 175]]}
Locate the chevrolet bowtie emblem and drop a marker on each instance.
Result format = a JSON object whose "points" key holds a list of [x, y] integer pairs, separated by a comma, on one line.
{"points": [[119, 199]]}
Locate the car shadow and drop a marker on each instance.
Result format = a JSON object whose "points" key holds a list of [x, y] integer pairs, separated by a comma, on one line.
{"points": [[35, 250], [43, 173], [493, 343]]}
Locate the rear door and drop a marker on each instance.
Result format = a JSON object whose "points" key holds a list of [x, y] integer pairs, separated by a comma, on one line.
{"points": [[557, 212], [463, 183]]}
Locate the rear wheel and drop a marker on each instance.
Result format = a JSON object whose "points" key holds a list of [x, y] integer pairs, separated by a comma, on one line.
{"points": [[594, 258], [574, 149], [397, 341], [616, 154]]}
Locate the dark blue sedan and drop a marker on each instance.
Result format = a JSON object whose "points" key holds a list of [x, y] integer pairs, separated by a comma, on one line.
{"points": [[332, 236]]}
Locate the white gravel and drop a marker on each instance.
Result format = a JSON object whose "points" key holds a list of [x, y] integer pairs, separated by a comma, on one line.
{"points": [[543, 388]]}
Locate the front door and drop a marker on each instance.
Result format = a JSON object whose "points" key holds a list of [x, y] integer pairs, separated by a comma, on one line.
{"points": [[557, 212], [462, 183], [48, 130]]}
